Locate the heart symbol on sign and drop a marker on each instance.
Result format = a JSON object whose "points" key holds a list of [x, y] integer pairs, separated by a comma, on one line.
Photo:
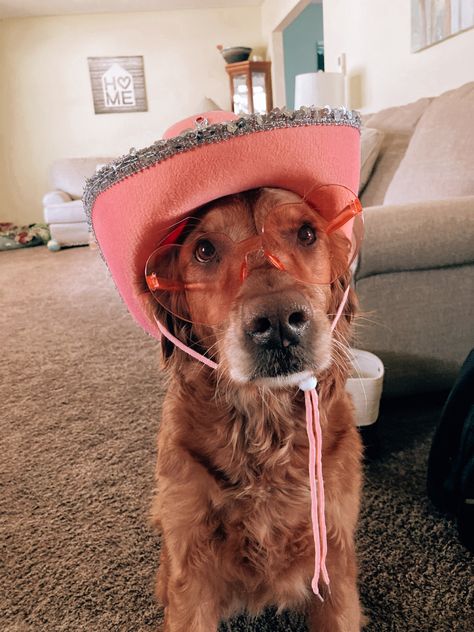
{"points": [[124, 82]]}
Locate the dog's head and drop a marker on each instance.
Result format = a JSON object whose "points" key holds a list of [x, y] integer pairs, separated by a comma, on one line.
{"points": [[263, 327]]}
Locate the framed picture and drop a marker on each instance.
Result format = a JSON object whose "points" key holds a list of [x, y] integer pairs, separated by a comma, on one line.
{"points": [[118, 84], [433, 21]]}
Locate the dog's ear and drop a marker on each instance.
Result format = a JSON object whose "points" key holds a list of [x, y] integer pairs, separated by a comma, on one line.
{"points": [[164, 312], [343, 329], [179, 328], [167, 347], [349, 310], [340, 252]]}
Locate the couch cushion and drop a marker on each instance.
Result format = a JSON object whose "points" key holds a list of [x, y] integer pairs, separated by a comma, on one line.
{"points": [[414, 327], [73, 234], [438, 163], [55, 197], [414, 236], [398, 124], [65, 213], [70, 174], [370, 144]]}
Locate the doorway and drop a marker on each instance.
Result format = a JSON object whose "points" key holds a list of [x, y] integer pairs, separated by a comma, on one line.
{"points": [[303, 47]]}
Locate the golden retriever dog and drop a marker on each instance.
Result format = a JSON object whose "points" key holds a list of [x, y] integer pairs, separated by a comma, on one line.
{"points": [[233, 492]]}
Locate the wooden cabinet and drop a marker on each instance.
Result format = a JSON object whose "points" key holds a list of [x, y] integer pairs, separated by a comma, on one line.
{"points": [[250, 87]]}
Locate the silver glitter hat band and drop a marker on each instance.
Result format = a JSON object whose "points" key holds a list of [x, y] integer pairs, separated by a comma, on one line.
{"points": [[204, 134]]}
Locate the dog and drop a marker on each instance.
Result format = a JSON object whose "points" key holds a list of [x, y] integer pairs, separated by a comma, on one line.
{"points": [[233, 493]]}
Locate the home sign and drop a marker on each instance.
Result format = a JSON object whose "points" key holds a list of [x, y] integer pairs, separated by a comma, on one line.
{"points": [[118, 84]]}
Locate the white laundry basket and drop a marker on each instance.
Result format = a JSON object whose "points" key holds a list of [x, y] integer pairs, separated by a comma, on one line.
{"points": [[365, 385]]}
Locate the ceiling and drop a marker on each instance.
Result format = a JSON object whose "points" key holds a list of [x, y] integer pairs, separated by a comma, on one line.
{"points": [[33, 8]]}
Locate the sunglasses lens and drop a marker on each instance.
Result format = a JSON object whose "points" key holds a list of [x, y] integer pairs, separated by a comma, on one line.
{"points": [[164, 279], [200, 276], [316, 246]]}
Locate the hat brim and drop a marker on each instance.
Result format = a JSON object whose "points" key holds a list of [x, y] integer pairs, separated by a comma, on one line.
{"points": [[129, 217]]}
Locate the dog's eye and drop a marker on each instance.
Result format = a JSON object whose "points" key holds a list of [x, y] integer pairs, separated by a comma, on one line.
{"points": [[204, 251], [306, 235]]}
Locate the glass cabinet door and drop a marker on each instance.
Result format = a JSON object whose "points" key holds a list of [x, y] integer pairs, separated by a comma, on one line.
{"points": [[258, 92], [250, 87], [240, 95]]}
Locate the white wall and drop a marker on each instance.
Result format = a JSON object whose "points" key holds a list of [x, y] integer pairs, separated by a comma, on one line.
{"points": [[46, 109], [375, 35]]}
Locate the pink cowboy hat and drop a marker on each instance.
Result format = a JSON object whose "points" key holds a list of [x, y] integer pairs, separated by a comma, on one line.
{"points": [[131, 202]]}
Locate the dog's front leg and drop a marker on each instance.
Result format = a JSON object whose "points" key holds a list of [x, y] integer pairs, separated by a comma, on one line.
{"points": [[190, 607], [340, 611], [189, 584], [188, 595]]}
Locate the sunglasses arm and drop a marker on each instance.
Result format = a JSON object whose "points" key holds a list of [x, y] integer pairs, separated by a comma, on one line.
{"points": [[155, 283], [353, 209]]}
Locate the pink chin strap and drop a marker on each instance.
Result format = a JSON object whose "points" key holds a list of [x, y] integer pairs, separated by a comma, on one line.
{"points": [[313, 429]]}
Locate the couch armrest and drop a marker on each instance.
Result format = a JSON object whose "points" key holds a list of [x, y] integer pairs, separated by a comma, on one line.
{"points": [[56, 197], [65, 213], [417, 236]]}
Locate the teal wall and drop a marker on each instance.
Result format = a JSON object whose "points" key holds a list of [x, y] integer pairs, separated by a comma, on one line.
{"points": [[299, 46]]}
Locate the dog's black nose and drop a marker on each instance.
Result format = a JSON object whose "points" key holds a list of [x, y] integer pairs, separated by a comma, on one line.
{"points": [[278, 328]]}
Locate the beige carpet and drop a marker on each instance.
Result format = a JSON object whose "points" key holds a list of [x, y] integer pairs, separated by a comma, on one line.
{"points": [[79, 409]]}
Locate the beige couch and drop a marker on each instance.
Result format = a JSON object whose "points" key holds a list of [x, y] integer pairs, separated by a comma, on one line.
{"points": [[415, 276], [62, 207]]}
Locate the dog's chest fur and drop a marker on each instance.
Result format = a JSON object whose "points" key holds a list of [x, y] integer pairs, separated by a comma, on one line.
{"points": [[268, 530], [248, 465]]}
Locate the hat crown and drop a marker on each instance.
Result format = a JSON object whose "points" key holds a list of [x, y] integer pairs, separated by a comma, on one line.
{"points": [[199, 120], [131, 201]]}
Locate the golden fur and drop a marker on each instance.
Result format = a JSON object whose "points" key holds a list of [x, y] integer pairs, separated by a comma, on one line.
{"points": [[233, 502]]}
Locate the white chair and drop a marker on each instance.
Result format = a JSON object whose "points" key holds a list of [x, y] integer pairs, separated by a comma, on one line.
{"points": [[63, 208]]}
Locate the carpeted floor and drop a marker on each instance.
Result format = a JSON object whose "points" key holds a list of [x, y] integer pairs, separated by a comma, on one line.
{"points": [[79, 410]]}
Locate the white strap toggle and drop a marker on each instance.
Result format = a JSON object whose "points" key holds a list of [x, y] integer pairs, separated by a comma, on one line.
{"points": [[308, 383]]}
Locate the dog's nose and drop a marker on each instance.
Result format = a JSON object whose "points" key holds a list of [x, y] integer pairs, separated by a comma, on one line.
{"points": [[279, 327]]}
